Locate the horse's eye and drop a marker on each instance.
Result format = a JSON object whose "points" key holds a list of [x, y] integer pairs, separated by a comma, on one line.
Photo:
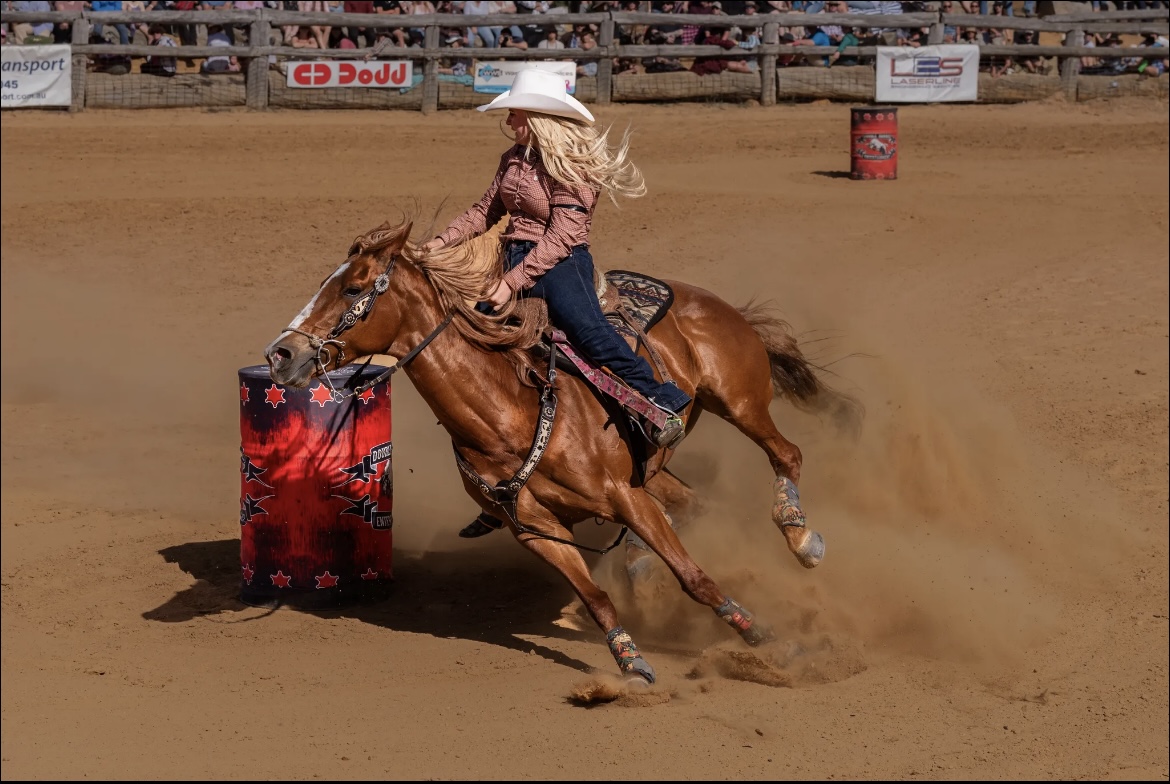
{"points": [[351, 291]]}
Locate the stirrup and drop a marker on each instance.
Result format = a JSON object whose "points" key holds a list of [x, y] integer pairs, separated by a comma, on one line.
{"points": [[480, 526], [671, 434]]}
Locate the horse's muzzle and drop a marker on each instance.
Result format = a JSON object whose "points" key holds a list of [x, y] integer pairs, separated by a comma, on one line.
{"points": [[291, 360]]}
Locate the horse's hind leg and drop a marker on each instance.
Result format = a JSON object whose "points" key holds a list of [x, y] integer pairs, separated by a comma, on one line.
{"points": [[644, 517], [741, 396]]}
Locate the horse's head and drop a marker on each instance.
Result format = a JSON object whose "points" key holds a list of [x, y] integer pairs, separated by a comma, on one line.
{"points": [[339, 324]]}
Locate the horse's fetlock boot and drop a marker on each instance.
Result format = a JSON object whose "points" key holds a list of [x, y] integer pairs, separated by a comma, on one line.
{"points": [[625, 653], [786, 511], [746, 626]]}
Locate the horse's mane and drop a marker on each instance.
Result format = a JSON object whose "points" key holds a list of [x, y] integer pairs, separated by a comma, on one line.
{"points": [[463, 275]]}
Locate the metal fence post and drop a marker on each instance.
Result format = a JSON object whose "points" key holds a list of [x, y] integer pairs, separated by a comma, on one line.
{"points": [[1070, 68], [768, 66], [79, 35], [605, 64], [259, 33], [430, 84]]}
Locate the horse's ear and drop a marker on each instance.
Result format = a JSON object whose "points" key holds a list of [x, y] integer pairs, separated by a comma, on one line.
{"points": [[404, 235]]}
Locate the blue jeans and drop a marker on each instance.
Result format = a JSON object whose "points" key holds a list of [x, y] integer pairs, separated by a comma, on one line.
{"points": [[123, 32], [488, 34], [573, 308]]}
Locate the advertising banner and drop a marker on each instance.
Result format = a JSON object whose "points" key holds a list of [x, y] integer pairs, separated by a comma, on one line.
{"points": [[927, 74], [495, 76], [344, 73], [36, 76]]}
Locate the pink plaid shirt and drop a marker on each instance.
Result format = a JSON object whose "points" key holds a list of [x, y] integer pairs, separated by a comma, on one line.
{"points": [[527, 192]]}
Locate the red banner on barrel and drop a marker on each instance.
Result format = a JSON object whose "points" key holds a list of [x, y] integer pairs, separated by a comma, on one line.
{"points": [[316, 489]]}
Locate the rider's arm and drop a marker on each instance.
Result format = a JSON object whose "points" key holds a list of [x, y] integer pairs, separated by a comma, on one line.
{"points": [[570, 215], [484, 214]]}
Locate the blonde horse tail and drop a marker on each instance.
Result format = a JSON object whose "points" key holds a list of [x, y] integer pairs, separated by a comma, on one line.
{"points": [[796, 379]]}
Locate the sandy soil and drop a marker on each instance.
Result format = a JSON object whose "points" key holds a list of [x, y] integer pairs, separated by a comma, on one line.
{"points": [[994, 599]]}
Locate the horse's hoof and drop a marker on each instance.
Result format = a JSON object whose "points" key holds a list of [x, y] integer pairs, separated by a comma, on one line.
{"points": [[758, 634], [811, 550], [640, 669]]}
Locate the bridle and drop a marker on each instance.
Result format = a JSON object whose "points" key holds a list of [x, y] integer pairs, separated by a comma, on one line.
{"points": [[359, 311]]}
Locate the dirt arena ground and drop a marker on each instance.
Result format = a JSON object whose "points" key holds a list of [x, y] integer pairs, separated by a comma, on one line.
{"points": [[994, 599]]}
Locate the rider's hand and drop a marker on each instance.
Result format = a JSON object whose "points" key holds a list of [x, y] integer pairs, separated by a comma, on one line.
{"points": [[434, 244], [500, 295]]}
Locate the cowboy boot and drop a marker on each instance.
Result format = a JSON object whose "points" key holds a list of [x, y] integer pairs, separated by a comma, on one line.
{"points": [[481, 526]]}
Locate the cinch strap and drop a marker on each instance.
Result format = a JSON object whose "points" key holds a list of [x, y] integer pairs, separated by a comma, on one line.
{"points": [[507, 493]]}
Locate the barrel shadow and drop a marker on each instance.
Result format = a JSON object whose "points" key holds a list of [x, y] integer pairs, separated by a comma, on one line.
{"points": [[834, 175], [465, 594]]}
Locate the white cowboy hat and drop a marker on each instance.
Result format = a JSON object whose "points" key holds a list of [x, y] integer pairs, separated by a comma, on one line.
{"points": [[535, 90]]}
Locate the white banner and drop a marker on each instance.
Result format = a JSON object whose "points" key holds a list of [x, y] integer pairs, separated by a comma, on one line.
{"points": [[495, 76], [927, 74], [343, 73], [36, 76]]}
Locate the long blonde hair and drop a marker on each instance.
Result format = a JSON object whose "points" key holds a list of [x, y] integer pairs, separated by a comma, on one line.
{"points": [[574, 153]]}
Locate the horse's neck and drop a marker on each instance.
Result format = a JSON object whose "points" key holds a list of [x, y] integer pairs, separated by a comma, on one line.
{"points": [[466, 387]]}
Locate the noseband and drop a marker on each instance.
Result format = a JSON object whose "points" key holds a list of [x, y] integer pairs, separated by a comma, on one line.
{"points": [[360, 311]]}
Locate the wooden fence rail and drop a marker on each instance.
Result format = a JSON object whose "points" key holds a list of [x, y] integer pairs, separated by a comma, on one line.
{"points": [[260, 23]]}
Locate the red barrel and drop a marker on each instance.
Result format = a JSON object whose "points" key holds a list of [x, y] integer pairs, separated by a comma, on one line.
{"points": [[874, 143], [316, 490]]}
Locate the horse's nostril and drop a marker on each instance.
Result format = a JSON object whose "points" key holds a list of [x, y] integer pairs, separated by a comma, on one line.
{"points": [[280, 354]]}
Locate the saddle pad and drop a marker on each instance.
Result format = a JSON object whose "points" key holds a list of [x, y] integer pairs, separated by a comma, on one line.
{"points": [[644, 298]]}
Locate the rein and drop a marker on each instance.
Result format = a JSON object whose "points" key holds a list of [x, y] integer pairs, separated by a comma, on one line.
{"points": [[359, 311]]}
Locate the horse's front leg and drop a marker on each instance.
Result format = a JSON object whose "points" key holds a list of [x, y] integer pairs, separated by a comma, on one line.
{"points": [[643, 515], [567, 560]]}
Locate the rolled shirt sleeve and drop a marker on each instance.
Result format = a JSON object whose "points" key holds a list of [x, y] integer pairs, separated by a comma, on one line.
{"points": [[567, 228]]}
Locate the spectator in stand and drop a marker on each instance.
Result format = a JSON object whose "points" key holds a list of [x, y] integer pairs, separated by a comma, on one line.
{"points": [[848, 38], [63, 32], [303, 37], [417, 35], [159, 65], [706, 66], [487, 33], [1030, 63], [137, 27], [113, 64], [587, 42], [691, 33], [26, 32], [355, 34], [217, 36], [666, 33], [507, 41], [459, 66], [186, 32], [1153, 67], [398, 35], [913, 36], [320, 32], [551, 40], [111, 5], [533, 33]]}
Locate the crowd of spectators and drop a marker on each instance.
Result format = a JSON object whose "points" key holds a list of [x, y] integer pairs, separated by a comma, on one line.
{"points": [[536, 27]]}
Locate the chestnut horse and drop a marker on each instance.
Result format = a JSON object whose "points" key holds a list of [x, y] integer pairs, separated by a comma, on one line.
{"points": [[391, 297]]}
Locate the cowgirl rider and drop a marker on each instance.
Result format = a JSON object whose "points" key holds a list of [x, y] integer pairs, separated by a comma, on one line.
{"points": [[549, 182]]}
